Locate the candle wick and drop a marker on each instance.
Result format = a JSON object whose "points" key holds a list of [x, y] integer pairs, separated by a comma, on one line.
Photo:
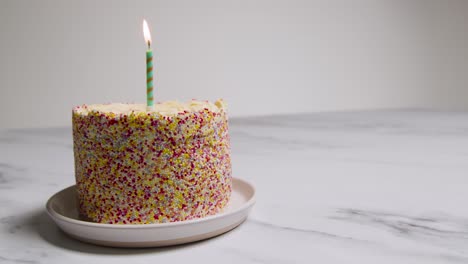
{"points": [[149, 44]]}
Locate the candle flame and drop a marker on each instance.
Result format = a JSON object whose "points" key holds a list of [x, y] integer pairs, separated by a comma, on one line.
{"points": [[146, 33]]}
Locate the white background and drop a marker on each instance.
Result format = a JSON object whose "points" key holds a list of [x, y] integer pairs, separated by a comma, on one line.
{"points": [[262, 57]]}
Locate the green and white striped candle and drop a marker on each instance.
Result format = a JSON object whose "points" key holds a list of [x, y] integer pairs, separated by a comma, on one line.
{"points": [[149, 68]]}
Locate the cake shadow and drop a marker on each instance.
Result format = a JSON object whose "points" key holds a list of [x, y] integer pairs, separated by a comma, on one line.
{"points": [[45, 227]]}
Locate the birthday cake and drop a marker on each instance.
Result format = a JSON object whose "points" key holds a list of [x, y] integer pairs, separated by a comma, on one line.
{"points": [[139, 166]]}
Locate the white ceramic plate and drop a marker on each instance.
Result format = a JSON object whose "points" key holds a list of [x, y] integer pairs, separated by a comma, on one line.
{"points": [[62, 208]]}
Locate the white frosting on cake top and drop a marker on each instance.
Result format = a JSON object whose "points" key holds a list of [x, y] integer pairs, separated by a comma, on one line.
{"points": [[168, 108]]}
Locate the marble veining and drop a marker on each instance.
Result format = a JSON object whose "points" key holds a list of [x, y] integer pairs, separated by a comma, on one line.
{"points": [[341, 187]]}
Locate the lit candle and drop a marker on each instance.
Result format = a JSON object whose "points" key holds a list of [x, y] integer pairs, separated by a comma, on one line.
{"points": [[149, 67]]}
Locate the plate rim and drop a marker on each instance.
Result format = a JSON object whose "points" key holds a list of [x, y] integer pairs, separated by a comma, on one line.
{"points": [[54, 214]]}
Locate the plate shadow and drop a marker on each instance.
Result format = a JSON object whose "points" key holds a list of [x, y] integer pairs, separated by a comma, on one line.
{"points": [[41, 224]]}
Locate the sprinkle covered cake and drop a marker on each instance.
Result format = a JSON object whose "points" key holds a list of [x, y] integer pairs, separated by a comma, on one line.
{"points": [[134, 166]]}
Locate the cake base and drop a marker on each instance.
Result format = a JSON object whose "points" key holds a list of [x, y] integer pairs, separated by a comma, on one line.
{"points": [[62, 208]]}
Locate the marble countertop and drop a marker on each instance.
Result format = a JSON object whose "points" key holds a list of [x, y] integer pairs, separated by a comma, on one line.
{"points": [[344, 187]]}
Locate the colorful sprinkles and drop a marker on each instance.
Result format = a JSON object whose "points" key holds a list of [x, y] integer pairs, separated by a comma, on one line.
{"points": [[144, 167]]}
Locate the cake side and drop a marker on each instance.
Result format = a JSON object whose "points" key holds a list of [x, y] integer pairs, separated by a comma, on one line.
{"points": [[135, 166]]}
